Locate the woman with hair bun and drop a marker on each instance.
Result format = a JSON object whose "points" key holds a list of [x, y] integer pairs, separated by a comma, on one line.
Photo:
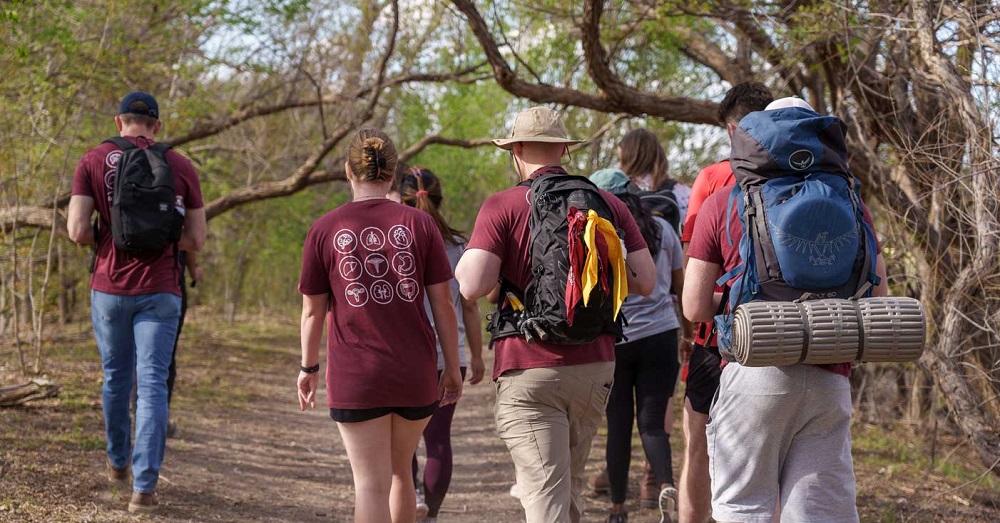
{"points": [[420, 188], [366, 268]]}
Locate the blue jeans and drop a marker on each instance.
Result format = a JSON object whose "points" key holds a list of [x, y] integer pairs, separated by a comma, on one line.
{"points": [[135, 335]]}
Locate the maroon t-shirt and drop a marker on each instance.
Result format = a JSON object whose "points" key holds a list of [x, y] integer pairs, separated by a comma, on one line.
{"points": [[118, 272], [374, 258], [502, 229], [709, 243]]}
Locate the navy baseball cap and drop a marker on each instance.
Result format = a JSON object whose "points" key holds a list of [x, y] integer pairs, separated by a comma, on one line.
{"points": [[150, 109]]}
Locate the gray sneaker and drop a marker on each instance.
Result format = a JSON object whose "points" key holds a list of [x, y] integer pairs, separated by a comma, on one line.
{"points": [[422, 508], [668, 504]]}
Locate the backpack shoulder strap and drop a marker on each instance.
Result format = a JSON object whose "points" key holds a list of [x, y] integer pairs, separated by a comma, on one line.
{"points": [[161, 148], [122, 143]]}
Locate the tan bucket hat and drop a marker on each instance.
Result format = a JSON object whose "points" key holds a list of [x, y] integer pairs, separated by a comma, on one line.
{"points": [[538, 124]]}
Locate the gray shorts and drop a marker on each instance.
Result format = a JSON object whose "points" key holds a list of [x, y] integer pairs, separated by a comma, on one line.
{"points": [[779, 439]]}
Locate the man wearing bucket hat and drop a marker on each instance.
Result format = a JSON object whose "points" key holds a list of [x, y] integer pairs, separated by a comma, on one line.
{"points": [[550, 396]]}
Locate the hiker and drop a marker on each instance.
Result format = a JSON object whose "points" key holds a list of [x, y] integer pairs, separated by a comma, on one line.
{"points": [[646, 365], [702, 358], [188, 262], [642, 158], [367, 266], [135, 295], [552, 373], [779, 439], [421, 188]]}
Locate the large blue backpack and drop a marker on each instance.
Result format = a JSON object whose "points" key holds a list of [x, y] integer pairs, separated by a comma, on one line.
{"points": [[804, 235]]}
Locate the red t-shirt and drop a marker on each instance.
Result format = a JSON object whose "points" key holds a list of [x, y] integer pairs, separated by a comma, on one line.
{"points": [[709, 243], [709, 180], [502, 229], [118, 272], [374, 258]]}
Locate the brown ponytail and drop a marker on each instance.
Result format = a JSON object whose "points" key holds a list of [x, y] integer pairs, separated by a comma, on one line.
{"points": [[420, 188], [372, 156]]}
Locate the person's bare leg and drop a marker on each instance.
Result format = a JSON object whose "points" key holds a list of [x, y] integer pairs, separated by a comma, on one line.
{"points": [[405, 437], [694, 501], [368, 445]]}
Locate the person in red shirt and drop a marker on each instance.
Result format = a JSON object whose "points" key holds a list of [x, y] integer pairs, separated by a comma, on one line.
{"points": [[701, 355], [135, 300], [550, 397], [366, 267], [779, 438]]}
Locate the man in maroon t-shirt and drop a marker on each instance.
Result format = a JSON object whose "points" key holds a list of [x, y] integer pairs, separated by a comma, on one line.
{"points": [[778, 437], [550, 398], [701, 355], [135, 300]]}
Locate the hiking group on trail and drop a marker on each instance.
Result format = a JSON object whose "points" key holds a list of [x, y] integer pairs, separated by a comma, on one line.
{"points": [[607, 289]]}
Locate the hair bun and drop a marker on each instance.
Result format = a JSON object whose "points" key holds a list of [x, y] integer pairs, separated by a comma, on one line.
{"points": [[374, 149]]}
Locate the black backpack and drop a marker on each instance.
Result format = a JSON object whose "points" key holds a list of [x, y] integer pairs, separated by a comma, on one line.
{"points": [[143, 217], [663, 203], [539, 311]]}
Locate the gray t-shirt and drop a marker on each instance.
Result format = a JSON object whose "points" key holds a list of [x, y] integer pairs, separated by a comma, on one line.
{"points": [[653, 314], [454, 254]]}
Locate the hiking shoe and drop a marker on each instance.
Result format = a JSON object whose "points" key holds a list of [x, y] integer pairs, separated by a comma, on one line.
{"points": [[143, 503], [422, 508], [116, 475], [171, 428], [668, 504], [618, 518], [599, 483], [516, 491], [649, 489]]}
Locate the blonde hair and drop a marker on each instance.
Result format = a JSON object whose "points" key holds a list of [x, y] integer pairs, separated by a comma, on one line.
{"points": [[372, 156]]}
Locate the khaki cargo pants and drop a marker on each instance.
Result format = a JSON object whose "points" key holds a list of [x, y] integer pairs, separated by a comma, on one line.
{"points": [[547, 418]]}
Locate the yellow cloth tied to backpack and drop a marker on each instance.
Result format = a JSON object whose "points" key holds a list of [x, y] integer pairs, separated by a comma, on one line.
{"points": [[616, 258]]}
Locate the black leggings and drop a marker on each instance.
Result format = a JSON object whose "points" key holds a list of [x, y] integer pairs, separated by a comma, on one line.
{"points": [[172, 370], [645, 375], [437, 469]]}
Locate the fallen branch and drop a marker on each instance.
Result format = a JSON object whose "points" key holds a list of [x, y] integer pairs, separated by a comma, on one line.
{"points": [[36, 389]]}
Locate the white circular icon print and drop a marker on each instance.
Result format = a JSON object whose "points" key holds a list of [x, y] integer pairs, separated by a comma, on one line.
{"points": [[404, 263], [357, 294], [111, 160], [381, 292], [408, 289], [376, 265], [400, 236], [350, 268], [373, 238], [345, 241]]}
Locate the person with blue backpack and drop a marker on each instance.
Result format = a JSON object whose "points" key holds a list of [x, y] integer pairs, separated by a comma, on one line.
{"points": [[792, 228]]}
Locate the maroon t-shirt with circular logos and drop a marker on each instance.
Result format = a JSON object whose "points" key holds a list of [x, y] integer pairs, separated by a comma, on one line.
{"points": [[118, 272], [374, 258]]}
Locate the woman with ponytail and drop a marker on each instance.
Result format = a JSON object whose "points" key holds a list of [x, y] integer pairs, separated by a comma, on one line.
{"points": [[420, 188], [367, 268]]}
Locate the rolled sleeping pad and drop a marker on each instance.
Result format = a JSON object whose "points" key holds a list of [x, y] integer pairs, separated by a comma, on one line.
{"points": [[888, 329]]}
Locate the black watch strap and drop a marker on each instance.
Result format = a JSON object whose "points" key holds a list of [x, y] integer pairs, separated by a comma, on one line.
{"points": [[310, 370]]}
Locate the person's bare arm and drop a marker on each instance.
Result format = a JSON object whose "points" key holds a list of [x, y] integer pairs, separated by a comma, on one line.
{"points": [[446, 325], [477, 273], [193, 236], [474, 335], [641, 272], [311, 331], [699, 299], [78, 224]]}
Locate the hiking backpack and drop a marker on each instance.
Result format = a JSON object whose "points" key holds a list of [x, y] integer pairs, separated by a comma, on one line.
{"points": [[143, 217], [554, 199], [663, 203], [804, 234]]}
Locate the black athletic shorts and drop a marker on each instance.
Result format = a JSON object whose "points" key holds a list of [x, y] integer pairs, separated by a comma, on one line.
{"points": [[703, 377], [359, 415]]}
